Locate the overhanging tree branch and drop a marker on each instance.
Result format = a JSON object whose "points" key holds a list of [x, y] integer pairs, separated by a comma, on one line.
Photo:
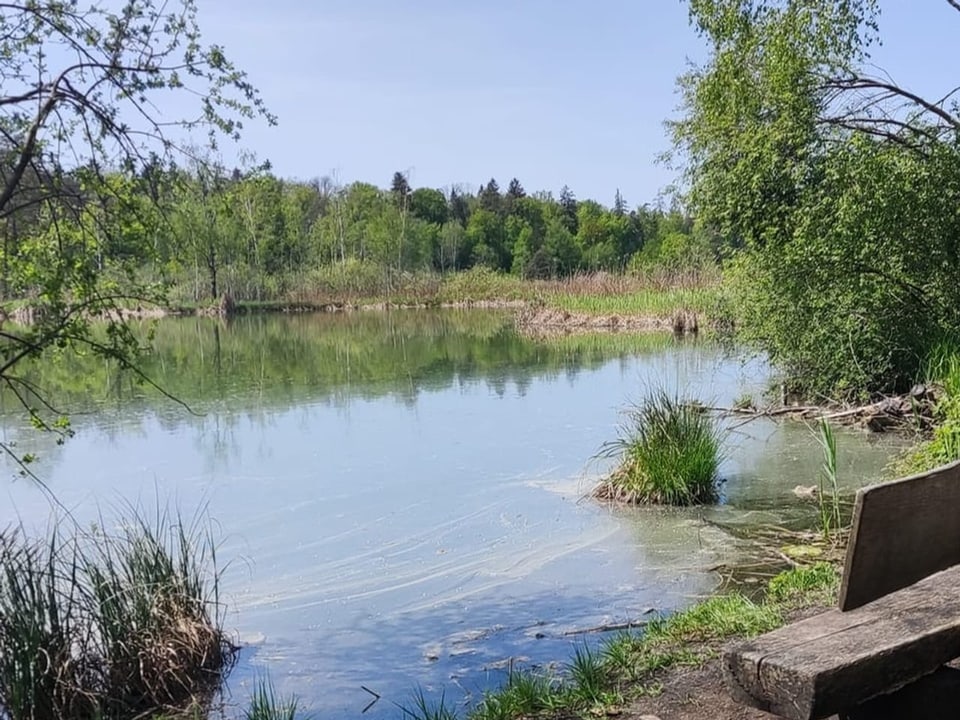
{"points": [[858, 83]]}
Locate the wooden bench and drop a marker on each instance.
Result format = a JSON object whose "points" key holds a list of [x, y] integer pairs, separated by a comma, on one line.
{"points": [[881, 653]]}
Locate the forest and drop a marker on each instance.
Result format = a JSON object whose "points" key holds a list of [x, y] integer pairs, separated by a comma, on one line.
{"points": [[205, 232]]}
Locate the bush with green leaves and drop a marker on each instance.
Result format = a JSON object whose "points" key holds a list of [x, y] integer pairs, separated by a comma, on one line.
{"points": [[834, 192]]}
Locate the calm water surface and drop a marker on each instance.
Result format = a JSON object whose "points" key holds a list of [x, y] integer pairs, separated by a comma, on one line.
{"points": [[399, 495]]}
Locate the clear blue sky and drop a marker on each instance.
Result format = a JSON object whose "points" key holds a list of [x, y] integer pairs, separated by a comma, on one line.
{"points": [[551, 91]]}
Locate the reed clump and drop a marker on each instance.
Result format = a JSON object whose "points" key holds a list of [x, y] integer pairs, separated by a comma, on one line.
{"points": [[97, 624], [670, 453]]}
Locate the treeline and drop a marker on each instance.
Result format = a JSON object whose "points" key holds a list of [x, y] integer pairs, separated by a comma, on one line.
{"points": [[254, 235]]}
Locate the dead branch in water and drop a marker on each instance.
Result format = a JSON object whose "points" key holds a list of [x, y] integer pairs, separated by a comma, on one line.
{"points": [[913, 410], [629, 625]]}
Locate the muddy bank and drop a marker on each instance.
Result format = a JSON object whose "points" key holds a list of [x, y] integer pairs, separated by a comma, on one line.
{"points": [[553, 320], [531, 319]]}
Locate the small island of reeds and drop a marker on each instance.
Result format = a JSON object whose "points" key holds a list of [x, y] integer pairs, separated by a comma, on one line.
{"points": [[670, 453]]}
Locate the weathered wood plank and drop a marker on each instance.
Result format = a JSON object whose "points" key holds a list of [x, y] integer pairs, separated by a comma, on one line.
{"points": [[903, 531], [933, 697], [834, 661]]}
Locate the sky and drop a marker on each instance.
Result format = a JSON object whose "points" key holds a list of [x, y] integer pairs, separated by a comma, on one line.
{"points": [[552, 92]]}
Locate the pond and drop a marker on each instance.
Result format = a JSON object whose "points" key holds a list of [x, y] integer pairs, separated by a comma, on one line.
{"points": [[400, 496]]}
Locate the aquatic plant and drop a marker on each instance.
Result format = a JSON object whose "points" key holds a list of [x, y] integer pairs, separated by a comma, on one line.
{"points": [[422, 708], [828, 498], [267, 704], [122, 625], [670, 453]]}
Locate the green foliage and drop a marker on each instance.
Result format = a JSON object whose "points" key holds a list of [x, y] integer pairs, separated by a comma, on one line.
{"points": [[836, 208], [109, 625], [253, 236], [87, 157], [670, 453], [814, 583], [429, 205], [525, 694], [942, 369]]}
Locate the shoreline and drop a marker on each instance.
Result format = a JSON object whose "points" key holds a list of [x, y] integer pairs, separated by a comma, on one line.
{"points": [[531, 317]]}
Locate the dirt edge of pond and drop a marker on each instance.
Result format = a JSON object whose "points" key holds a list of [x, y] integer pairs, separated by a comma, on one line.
{"points": [[699, 693], [546, 320]]}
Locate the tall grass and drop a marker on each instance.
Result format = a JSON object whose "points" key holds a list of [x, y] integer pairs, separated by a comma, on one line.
{"points": [[670, 453], [110, 625], [525, 694], [656, 293], [828, 497]]}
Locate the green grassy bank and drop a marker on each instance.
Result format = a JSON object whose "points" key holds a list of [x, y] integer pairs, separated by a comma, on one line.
{"points": [[601, 681]]}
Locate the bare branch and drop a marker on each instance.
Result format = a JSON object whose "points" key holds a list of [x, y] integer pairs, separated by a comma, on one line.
{"points": [[866, 83]]}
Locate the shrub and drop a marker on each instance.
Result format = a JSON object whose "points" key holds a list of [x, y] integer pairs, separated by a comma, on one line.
{"points": [[941, 368], [670, 452]]}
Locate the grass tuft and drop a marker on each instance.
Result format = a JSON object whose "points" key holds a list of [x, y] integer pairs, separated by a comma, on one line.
{"points": [[817, 583], [670, 454], [525, 694], [266, 704], [590, 681], [110, 625], [422, 709]]}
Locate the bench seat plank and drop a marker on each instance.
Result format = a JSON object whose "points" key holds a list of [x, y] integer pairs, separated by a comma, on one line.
{"points": [[831, 662]]}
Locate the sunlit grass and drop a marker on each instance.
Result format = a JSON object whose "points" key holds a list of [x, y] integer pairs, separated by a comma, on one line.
{"points": [[525, 694], [818, 583], [669, 452]]}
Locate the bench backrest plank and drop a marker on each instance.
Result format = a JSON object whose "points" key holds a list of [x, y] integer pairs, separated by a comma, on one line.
{"points": [[902, 532]]}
